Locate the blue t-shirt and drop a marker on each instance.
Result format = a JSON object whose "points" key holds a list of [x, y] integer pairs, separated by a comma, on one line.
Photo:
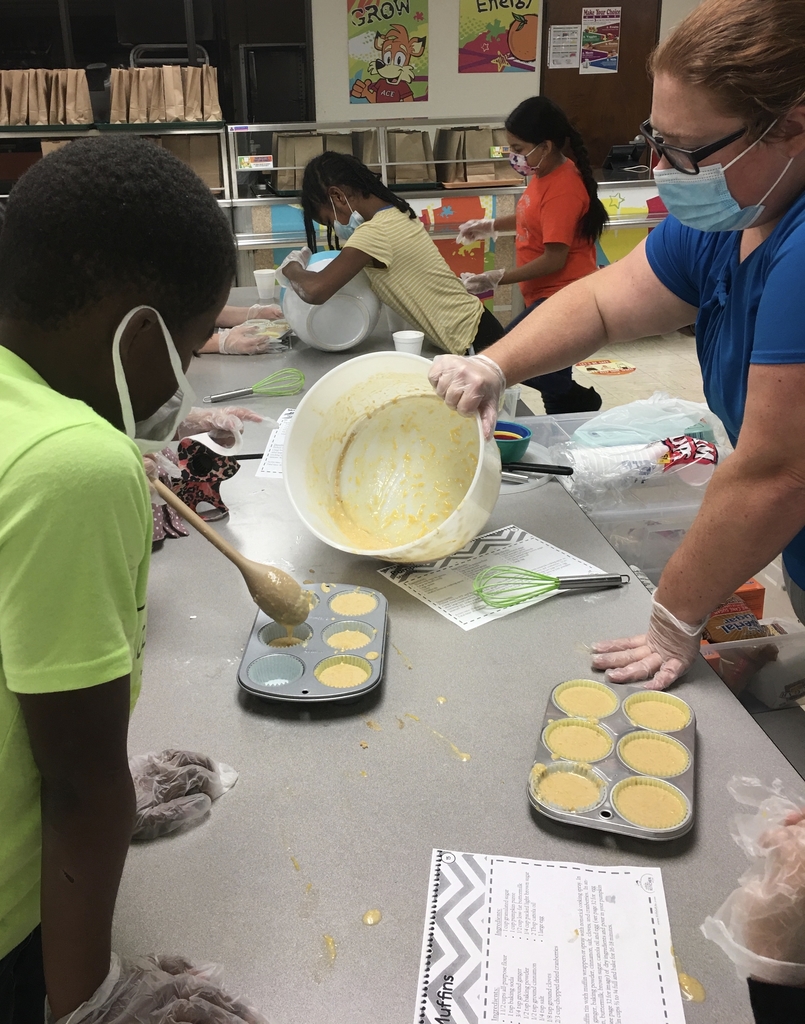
{"points": [[750, 312]]}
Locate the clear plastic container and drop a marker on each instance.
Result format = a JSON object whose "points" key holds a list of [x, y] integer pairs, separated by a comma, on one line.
{"points": [[770, 669]]}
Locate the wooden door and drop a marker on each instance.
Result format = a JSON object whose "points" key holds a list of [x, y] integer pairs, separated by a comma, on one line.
{"points": [[607, 109]]}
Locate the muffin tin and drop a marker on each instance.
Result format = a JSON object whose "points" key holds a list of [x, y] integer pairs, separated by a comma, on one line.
{"points": [[611, 733], [292, 674]]}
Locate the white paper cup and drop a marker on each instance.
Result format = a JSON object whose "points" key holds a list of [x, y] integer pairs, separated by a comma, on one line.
{"points": [[266, 281], [408, 341], [511, 396]]}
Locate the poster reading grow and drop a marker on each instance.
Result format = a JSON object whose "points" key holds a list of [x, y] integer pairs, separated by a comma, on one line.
{"points": [[388, 51], [600, 40], [497, 35]]}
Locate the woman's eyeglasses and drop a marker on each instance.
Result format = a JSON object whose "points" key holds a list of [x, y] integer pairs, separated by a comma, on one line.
{"points": [[685, 160]]}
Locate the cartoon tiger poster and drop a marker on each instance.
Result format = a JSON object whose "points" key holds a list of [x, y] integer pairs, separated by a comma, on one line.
{"points": [[388, 51]]}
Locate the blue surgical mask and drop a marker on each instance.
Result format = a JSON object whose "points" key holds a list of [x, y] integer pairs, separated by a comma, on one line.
{"points": [[345, 231], [704, 201], [519, 162]]}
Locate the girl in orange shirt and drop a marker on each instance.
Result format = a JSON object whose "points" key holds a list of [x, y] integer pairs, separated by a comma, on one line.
{"points": [[558, 220]]}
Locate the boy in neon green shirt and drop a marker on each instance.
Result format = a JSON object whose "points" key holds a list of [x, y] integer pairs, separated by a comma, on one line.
{"points": [[109, 243]]}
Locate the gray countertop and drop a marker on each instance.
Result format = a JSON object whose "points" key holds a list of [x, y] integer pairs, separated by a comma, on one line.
{"points": [[319, 829]]}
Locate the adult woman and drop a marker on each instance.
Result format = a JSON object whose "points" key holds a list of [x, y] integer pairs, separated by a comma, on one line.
{"points": [[728, 120], [381, 234], [558, 220]]}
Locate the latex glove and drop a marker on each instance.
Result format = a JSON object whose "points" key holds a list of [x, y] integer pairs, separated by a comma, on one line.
{"points": [[155, 463], [480, 284], [224, 425], [175, 788], [260, 312], [300, 256], [162, 990], [247, 339], [470, 384], [473, 230], [660, 656]]}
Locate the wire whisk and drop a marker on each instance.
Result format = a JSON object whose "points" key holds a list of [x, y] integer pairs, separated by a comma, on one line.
{"points": [[288, 381], [503, 586]]}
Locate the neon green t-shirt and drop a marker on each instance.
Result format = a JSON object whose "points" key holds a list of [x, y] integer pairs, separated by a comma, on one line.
{"points": [[75, 544]]}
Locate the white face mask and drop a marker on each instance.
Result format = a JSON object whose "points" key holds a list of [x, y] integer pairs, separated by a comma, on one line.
{"points": [[152, 434]]}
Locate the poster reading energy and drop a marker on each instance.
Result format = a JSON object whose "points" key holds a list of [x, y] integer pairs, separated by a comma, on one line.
{"points": [[388, 51], [600, 40], [497, 35]]}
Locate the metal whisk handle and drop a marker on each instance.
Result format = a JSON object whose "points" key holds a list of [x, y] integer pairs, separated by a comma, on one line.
{"points": [[228, 396], [597, 582]]}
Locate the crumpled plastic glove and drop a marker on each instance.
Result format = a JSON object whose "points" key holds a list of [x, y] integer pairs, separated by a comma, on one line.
{"points": [[474, 230], [480, 284], [161, 990], [470, 384], [761, 924], [247, 339], [300, 256], [224, 425], [260, 312], [660, 656], [175, 788]]}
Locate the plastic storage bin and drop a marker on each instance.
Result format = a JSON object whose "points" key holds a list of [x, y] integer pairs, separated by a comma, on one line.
{"points": [[770, 669]]}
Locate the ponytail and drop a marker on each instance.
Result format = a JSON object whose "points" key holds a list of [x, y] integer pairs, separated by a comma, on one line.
{"points": [[539, 119], [340, 170]]}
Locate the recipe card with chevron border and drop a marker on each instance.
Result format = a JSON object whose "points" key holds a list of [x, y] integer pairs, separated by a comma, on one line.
{"points": [[511, 940], [446, 584]]}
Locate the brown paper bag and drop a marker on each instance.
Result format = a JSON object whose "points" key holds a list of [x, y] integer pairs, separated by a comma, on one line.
{"points": [[51, 145], [18, 102], [138, 97], [174, 97], [293, 151], [365, 147], [201, 152], [210, 104], [191, 88], [120, 89], [38, 96], [78, 108], [5, 96], [156, 96], [57, 104], [478, 144], [449, 155], [412, 152], [338, 143], [503, 169]]}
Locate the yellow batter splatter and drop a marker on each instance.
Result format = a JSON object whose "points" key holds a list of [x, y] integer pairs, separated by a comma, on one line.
{"points": [[372, 917], [373, 725], [295, 863], [330, 947]]}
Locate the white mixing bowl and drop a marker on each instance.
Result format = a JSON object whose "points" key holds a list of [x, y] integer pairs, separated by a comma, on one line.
{"points": [[341, 322], [376, 464]]}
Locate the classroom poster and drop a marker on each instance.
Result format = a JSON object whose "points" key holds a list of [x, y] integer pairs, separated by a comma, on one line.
{"points": [[495, 37], [564, 45], [388, 51], [600, 40]]}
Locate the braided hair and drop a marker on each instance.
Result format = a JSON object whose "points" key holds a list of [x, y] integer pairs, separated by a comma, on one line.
{"points": [[538, 120], [340, 170]]}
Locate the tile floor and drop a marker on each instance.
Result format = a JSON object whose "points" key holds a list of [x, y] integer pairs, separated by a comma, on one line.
{"points": [[668, 363]]}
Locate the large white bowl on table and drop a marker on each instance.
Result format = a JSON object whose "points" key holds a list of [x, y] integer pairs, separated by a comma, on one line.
{"points": [[341, 322], [376, 464]]}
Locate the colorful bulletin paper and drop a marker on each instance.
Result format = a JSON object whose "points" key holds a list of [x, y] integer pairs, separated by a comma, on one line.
{"points": [[388, 51], [493, 37], [600, 40]]}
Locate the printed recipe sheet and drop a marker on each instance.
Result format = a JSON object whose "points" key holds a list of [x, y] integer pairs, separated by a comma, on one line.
{"points": [[512, 940]]}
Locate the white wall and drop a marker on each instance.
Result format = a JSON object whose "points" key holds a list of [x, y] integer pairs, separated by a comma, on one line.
{"points": [[450, 94], [673, 11]]}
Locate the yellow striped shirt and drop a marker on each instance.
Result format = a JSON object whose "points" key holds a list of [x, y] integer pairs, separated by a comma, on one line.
{"points": [[415, 280]]}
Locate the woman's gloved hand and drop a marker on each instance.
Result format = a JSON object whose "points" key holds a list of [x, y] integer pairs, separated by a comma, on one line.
{"points": [[224, 425], [474, 230], [470, 384], [660, 656], [481, 284], [175, 788], [247, 339], [162, 990], [300, 256], [260, 312]]}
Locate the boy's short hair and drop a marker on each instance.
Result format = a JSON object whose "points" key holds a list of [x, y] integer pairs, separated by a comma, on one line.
{"points": [[104, 214]]}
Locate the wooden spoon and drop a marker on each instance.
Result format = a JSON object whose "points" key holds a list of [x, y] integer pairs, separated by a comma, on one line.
{"points": [[273, 591]]}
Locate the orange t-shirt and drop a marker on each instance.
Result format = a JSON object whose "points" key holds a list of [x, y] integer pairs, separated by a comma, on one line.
{"points": [[549, 211]]}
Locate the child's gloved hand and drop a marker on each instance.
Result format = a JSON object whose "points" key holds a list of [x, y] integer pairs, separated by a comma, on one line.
{"points": [[175, 788], [660, 656], [224, 425], [260, 312], [162, 990], [474, 230], [300, 256], [482, 284], [247, 339], [470, 384]]}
